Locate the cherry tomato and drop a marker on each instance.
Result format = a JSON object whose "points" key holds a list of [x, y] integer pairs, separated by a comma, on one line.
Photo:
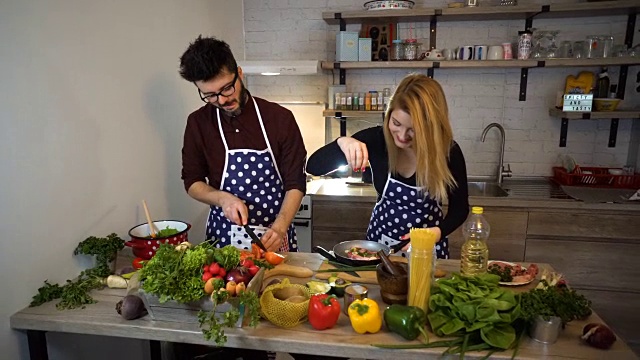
{"points": [[218, 277], [137, 263], [206, 276], [253, 270], [222, 272], [273, 258], [214, 268], [246, 263], [205, 267]]}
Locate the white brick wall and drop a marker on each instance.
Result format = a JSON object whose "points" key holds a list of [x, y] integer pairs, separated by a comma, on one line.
{"points": [[294, 29]]}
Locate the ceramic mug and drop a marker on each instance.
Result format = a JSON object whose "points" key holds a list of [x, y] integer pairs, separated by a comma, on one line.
{"points": [[465, 52], [434, 55], [495, 52], [480, 52], [448, 54]]}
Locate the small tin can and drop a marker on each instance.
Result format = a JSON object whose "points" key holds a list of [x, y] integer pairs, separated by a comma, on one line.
{"points": [[354, 292], [524, 44]]}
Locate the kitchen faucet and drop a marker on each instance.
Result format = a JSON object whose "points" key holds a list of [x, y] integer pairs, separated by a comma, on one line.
{"points": [[502, 172]]}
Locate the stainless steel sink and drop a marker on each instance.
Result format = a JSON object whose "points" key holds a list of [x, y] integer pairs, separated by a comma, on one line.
{"points": [[487, 189]]}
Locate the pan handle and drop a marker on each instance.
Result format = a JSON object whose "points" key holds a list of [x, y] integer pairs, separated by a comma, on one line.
{"points": [[322, 251], [397, 247]]}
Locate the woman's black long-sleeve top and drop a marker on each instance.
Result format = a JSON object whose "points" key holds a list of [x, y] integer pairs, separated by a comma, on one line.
{"points": [[330, 157]]}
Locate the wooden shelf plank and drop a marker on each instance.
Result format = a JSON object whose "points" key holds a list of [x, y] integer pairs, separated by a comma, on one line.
{"points": [[601, 8], [619, 114], [379, 16], [517, 12], [328, 65], [614, 61], [352, 113]]}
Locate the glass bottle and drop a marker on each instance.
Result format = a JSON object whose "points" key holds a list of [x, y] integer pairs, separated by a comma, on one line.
{"points": [[386, 95], [336, 104], [361, 101], [374, 100], [367, 101], [475, 253], [397, 50], [602, 85]]}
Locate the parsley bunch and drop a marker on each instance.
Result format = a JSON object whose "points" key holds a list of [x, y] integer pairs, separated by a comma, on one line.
{"points": [[213, 324], [104, 249], [176, 275], [550, 301]]}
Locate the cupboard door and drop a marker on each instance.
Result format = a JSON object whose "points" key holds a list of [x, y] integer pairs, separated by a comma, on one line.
{"points": [[586, 225], [506, 240], [341, 215], [590, 264]]}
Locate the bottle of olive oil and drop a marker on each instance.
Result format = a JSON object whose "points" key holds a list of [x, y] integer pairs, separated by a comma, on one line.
{"points": [[475, 253]]}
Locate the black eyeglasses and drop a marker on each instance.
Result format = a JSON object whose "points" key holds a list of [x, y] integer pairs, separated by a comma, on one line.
{"points": [[226, 91]]}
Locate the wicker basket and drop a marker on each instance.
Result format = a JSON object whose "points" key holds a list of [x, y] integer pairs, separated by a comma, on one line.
{"points": [[595, 177]]}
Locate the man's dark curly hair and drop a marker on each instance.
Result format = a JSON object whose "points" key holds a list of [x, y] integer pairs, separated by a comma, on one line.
{"points": [[205, 59]]}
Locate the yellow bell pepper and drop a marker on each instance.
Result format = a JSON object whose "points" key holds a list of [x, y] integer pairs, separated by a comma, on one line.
{"points": [[365, 316]]}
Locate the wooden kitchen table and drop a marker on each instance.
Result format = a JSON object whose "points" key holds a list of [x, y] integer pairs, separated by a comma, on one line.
{"points": [[102, 319]]}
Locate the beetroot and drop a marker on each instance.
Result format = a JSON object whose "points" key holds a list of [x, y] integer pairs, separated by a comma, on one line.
{"points": [[131, 307], [598, 335]]}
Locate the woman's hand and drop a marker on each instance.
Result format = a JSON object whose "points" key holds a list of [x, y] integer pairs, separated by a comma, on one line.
{"points": [[408, 237], [355, 152]]}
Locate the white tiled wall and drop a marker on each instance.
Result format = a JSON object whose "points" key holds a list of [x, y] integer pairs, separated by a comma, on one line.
{"points": [[294, 29]]}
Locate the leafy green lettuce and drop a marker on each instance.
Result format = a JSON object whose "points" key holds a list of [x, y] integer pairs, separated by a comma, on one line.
{"points": [[470, 305]]}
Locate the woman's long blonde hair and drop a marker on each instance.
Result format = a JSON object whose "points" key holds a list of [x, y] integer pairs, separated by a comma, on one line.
{"points": [[423, 99]]}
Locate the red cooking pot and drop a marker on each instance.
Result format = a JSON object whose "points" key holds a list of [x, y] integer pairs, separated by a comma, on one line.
{"points": [[145, 248]]}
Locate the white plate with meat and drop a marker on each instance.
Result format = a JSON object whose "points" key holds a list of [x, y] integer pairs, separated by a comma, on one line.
{"points": [[513, 274]]}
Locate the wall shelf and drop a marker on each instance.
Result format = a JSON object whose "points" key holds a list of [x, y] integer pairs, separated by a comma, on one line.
{"points": [[487, 13], [461, 64], [620, 114], [615, 117], [351, 113]]}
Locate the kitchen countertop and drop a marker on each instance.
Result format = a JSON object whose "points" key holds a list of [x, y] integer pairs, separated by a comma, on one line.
{"points": [[527, 194], [101, 319]]}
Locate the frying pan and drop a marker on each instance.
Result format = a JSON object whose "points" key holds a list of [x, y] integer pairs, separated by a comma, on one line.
{"points": [[340, 250]]}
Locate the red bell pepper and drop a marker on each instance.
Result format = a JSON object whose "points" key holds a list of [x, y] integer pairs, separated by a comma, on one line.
{"points": [[324, 311]]}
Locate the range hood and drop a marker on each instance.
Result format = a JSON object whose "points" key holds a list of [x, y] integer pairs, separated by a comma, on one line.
{"points": [[280, 67]]}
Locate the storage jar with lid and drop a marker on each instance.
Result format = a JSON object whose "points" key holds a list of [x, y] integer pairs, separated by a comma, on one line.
{"points": [[397, 50], [411, 49]]}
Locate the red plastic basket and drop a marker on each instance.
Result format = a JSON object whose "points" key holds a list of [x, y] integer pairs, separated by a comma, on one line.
{"points": [[595, 177]]}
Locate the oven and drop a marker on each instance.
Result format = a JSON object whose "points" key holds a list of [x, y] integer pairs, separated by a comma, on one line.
{"points": [[302, 222]]}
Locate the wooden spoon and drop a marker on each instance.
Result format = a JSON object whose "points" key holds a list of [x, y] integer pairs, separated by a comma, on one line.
{"points": [[152, 226]]}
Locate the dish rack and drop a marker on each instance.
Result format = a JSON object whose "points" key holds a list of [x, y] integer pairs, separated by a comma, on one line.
{"points": [[595, 177]]}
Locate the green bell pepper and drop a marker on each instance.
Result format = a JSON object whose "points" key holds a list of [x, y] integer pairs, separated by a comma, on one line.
{"points": [[406, 321]]}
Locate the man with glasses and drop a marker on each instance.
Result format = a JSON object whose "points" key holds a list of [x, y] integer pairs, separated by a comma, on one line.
{"points": [[242, 155]]}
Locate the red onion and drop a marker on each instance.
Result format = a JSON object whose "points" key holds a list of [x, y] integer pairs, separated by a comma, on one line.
{"points": [[238, 275]]}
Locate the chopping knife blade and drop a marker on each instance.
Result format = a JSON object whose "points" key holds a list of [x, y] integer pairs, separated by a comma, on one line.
{"points": [[254, 238]]}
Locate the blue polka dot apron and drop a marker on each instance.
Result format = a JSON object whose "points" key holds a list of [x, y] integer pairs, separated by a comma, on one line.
{"points": [[252, 176], [402, 207]]}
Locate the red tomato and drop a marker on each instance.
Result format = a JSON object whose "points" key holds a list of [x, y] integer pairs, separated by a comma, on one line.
{"points": [[214, 268], [206, 276], [253, 270], [222, 272], [218, 277], [273, 258], [137, 263], [205, 267], [246, 263]]}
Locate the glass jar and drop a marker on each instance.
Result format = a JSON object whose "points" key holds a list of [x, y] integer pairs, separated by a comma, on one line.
{"points": [[422, 265], [411, 49], [606, 43], [397, 50]]}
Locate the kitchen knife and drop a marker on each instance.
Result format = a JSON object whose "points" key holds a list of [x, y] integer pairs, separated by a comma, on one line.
{"points": [[254, 238]]}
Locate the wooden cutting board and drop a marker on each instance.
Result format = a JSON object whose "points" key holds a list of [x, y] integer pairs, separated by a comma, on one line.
{"points": [[366, 277]]}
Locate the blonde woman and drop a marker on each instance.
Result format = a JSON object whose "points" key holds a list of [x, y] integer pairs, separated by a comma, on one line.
{"points": [[415, 164]]}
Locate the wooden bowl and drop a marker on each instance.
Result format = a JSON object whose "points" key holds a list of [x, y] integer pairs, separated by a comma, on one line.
{"points": [[393, 299]]}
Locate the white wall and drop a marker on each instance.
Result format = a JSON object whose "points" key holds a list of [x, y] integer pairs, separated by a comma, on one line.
{"points": [[92, 112], [476, 97]]}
